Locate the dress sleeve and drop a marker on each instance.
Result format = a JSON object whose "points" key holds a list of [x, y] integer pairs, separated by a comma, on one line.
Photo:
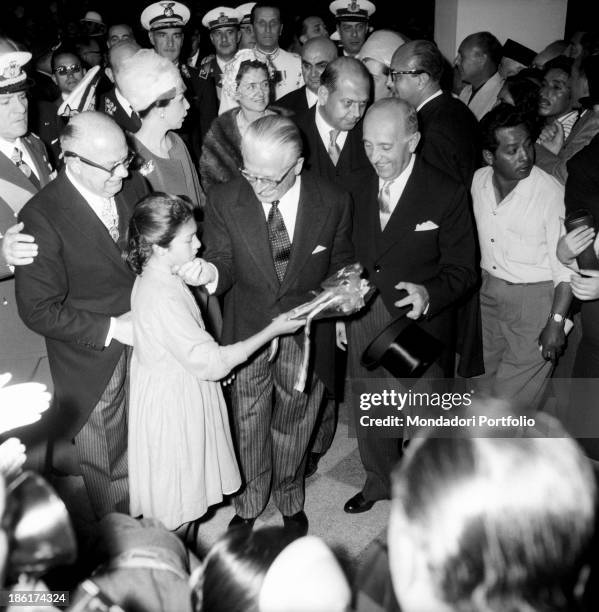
{"points": [[193, 347]]}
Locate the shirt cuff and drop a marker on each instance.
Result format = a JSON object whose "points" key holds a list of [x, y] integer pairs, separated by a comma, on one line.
{"points": [[110, 331], [212, 285]]}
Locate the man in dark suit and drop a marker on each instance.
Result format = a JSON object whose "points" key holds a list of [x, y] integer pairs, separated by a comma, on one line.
{"points": [[332, 130], [414, 234], [22, 175], [113, 103], [272, 236], [450, 137], [164, 22], [316, 54], [76, 294]]}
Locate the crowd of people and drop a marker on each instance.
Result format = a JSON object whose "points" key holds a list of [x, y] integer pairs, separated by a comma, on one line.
{"points": [[162, 220]]}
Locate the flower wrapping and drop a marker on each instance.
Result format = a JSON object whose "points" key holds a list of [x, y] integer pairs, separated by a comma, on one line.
{"points": [[343, 293]]}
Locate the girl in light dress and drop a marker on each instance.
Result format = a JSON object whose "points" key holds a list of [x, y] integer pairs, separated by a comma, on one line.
{"points": [[181, 457]]}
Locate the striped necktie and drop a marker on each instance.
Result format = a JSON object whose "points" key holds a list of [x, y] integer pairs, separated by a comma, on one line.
{"points": [[334, 150]]}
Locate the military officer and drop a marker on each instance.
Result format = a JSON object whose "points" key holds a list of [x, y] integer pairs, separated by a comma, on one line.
{"points": [[248, 40], [223, 24], [352, 23]]}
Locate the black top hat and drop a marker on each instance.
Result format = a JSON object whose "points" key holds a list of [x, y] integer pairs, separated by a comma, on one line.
{"points": [[403, 348], [519, 53]]}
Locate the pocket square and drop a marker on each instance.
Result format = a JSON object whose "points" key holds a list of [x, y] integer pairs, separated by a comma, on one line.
{"points": [[319, 249], [426, 226]]}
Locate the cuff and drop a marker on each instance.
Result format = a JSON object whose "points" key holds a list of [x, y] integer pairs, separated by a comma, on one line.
{"points": [[110, 331], [212, 285]]}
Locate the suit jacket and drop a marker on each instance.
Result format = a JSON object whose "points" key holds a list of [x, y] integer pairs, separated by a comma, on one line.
{"points": [[442, 259], [353, 165], [295, 101], [20, 349], [49, 127], [109, 104], [236, 239], [201, 95], [579, 137], [76, 283], [582, 185], [210, 69], [450, 138]]}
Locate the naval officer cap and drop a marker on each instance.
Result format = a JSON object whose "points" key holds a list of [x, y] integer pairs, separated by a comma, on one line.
{"points": [[12, 76], [221, 17], [161, 15], [245, 10], [352, 10]]}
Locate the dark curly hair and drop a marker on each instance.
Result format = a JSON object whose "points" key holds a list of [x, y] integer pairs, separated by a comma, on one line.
{"points": [[155, 221], [248, 65]]}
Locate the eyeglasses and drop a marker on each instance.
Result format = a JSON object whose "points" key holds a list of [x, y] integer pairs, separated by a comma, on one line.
{"points": [[64, 70], [268, 183], [125, 163], [395, 73], [252, 87]]}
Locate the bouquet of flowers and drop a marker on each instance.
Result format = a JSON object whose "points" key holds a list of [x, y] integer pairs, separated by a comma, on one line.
{"points": [[343, 293]]}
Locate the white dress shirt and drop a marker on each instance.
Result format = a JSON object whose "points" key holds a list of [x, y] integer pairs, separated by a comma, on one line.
{"points": [[7, 147], [485, 98], [311, 97], [96, 203], [396, 188], [324, 129], [518, 236], [435, 95]]}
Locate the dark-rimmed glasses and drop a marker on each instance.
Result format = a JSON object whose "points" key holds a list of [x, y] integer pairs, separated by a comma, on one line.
{"points": [[395, 73], [125, 162], [65, 70], [267, 182]]}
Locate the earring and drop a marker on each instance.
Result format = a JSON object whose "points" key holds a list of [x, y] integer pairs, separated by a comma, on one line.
{"points": [[162, 114]]}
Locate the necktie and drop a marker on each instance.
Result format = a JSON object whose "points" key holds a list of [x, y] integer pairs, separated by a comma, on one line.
{"points": [[23, 166], [110, 219], [278, 237], [385, 203], [334, 150]]}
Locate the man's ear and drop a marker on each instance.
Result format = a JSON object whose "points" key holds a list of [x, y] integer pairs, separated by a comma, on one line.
{"points": [[109, 74], [238, 36], [54, 79], [298, 166], [303, 39], [488, 157], [323, 95], [151, 38], [414, 140]]}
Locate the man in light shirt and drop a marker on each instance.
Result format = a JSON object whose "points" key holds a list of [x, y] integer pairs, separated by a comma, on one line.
{"points": [[76, 293], [414, 235], [525, 292], [477, 62]]}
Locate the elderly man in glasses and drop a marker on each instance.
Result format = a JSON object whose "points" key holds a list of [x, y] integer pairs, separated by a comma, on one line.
{"points": [[76, 294], [67, 72], [273, 235]]}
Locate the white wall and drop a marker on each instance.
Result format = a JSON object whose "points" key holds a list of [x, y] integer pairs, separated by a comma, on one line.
{"points": [[534, 23]]}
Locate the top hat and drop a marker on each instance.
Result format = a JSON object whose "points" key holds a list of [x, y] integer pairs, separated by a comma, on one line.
{"points": [[517, 52], [403, 348]]}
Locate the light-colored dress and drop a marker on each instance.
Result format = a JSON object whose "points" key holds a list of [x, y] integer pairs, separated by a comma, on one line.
{"points": [[181, 457]]}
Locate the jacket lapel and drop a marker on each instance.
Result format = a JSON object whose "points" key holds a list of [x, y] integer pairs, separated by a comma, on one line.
{"points": [[251, 223], [40, 164], [11, 173], [310, 216], [84, 220]]}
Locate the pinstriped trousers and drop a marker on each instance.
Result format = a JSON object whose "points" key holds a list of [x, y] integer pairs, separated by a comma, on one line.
{"points": [[101, 445], [273, 424]]}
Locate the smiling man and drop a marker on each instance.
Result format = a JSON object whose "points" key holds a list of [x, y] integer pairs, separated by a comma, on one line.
{"points": [[272, 235], [525, 292], [76, 293]]}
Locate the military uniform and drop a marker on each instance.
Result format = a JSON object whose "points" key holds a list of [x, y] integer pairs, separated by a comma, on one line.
{"points": [[287, 70]]}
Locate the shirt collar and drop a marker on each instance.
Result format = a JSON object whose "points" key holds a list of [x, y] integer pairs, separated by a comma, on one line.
{"points": [[311, 97], [291, 195], [123, 101], [88, 196], [435, 95], [403, 176], [7, 147], [321, 123]]}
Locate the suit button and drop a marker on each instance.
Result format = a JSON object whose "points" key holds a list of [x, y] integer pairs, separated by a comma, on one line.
{"points": [[377, 268]]}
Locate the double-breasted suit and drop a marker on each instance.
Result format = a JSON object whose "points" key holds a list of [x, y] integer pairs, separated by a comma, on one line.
{"points": [[68, 294], [272, 441], [428, 240], [22, 351]]}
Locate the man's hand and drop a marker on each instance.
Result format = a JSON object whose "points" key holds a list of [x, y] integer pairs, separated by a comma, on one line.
{"points": [[574, 243], [552, 137], [18, 249], [21, 404], [196, 272], [340, 335], [552, 340], [585, 289], [417, 296], [123, 329]]}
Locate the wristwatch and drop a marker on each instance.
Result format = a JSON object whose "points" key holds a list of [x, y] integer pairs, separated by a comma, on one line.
{"points": [[558, 318]]}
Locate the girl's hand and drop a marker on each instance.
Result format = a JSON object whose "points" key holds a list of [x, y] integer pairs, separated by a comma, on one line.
{"points": [[283, 325], [574, 243]]}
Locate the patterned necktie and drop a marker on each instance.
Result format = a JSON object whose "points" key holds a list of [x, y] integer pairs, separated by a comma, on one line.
{"points": [[278, 237], [385, 203], [334, 150], [23, 166], [110, 219]]}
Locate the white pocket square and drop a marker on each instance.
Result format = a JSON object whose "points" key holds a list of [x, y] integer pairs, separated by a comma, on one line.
{"points": [[319, 249], [426, 226]]}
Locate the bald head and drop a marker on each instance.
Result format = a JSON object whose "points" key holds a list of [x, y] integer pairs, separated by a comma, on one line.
{"points": [[317, 53], [117, 54], [345, 69], [390, 136], [90, 131]]}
